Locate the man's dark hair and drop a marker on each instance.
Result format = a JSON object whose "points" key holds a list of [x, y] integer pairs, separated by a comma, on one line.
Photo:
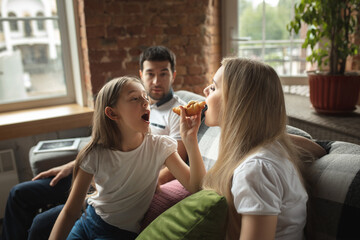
{"points": [[159, 54]]}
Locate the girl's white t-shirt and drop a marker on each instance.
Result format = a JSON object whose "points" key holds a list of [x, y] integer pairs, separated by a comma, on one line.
{"points": [[266, 183], [126, 181]]}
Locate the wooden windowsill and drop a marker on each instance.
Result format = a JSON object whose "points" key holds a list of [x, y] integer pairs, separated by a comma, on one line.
{"points": [[339, 127], [42, 120]]}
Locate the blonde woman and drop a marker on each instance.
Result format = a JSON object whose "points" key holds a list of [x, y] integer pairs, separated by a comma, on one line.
{"points": [[258, 169], [124, 160]]}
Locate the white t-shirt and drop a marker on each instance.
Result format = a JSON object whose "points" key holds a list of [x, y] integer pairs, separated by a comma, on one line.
{"points": [[126, 181], [266, 183], [163, 121]]}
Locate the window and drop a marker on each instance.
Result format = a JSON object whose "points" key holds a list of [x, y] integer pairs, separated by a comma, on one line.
{"points": [[27, 28], [13, 23], [257, 29], [40, 22], [56, 25], [39, 66]]}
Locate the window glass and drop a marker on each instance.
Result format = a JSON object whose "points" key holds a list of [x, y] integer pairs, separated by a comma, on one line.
{"points": [[32, 52], [40, 22], [13, 23], [262, 35]]}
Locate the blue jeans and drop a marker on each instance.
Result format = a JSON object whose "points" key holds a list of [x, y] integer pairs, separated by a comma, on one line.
{"points": [[21, 220], [91, 226]]}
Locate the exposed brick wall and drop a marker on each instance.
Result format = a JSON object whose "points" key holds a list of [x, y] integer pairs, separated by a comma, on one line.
{"points": [[114, 33], [84, 52]]}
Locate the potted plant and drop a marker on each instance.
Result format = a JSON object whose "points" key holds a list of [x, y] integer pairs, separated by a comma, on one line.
{"points": [[330, 34]]}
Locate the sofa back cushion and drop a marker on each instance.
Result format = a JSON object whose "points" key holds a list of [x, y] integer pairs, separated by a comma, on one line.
{"points": [[187, 96], [208, 137]]}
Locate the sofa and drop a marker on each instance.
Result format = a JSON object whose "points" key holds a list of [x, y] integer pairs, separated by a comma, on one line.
{"points": [[335, 195]]}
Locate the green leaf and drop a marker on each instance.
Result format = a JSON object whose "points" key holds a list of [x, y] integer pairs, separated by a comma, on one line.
{"points": [[328, 26]]}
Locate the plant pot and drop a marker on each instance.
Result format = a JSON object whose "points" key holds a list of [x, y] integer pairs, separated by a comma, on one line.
{"points": [[334, 93]]}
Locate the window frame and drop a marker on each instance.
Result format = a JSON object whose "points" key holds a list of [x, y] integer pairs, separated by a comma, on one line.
{"points": [[71, 62], [230, 34]]}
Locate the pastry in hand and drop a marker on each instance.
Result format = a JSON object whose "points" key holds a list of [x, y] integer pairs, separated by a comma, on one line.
{"points": [[192, 108]]}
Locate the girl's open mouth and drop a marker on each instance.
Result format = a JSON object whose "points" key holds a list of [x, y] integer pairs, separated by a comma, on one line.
{"points": [[146, 116]]}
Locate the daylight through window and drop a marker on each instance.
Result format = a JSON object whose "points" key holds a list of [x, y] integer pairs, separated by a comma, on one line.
{"points": [[31, 51], [260, 33]]}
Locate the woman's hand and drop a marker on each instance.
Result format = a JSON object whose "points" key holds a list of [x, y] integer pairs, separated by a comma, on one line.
{"points": [[59, 173], [189, 127]]}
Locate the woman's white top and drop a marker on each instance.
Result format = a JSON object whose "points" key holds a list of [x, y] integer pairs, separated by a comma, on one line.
{"points": [[126, 181], [266, 183]]}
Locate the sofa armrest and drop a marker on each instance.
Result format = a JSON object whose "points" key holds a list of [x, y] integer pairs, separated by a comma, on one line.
{"points": [[335, 195], [297, 131], [40, 162]]}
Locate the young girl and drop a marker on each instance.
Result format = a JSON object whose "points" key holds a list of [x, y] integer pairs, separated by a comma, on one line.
{"points": [[124, 160], [257, 170]]}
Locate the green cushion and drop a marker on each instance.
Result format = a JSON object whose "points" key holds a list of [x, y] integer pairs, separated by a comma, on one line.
{"points": [[199, 216]]}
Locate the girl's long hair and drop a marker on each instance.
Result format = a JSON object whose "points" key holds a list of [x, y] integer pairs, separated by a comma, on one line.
{"points": [[105, 132], [253, 114]]}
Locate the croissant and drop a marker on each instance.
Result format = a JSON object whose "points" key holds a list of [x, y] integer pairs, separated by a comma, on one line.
{"points": [[192, 108]]}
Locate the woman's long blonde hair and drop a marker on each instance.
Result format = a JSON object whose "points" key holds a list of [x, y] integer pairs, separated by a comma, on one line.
{"points": [[253, 114], [105, 132]]}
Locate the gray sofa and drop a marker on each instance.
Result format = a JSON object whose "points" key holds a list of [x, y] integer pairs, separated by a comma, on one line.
{"points": [[335, 183]]}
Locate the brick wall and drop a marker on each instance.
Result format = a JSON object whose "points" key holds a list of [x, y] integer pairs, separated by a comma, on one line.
{"points": [[113, 33]]}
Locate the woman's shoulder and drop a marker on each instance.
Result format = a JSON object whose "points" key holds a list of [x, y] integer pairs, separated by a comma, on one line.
{"points": [[273, 152], [255, 164], [270, 162], [268, 157]]}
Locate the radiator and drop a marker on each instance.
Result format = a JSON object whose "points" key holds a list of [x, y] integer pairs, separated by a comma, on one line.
{"points": [[8, 177]]}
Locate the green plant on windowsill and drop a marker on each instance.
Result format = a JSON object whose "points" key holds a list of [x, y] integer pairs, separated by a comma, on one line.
{"points": [[330, 36]]}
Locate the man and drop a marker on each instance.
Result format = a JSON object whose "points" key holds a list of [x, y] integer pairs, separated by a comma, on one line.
{"points": [[157, 70]]}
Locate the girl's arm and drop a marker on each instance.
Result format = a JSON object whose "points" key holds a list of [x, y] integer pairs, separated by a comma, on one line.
{"points": [[255, 227], [73, 205], [191, 178], [165, 175]]}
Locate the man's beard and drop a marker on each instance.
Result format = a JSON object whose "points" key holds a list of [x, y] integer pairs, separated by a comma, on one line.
{"points": [[157, 96]]}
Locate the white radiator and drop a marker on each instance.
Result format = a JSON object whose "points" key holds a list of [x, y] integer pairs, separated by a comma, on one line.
{"points": [[8, 177]]}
